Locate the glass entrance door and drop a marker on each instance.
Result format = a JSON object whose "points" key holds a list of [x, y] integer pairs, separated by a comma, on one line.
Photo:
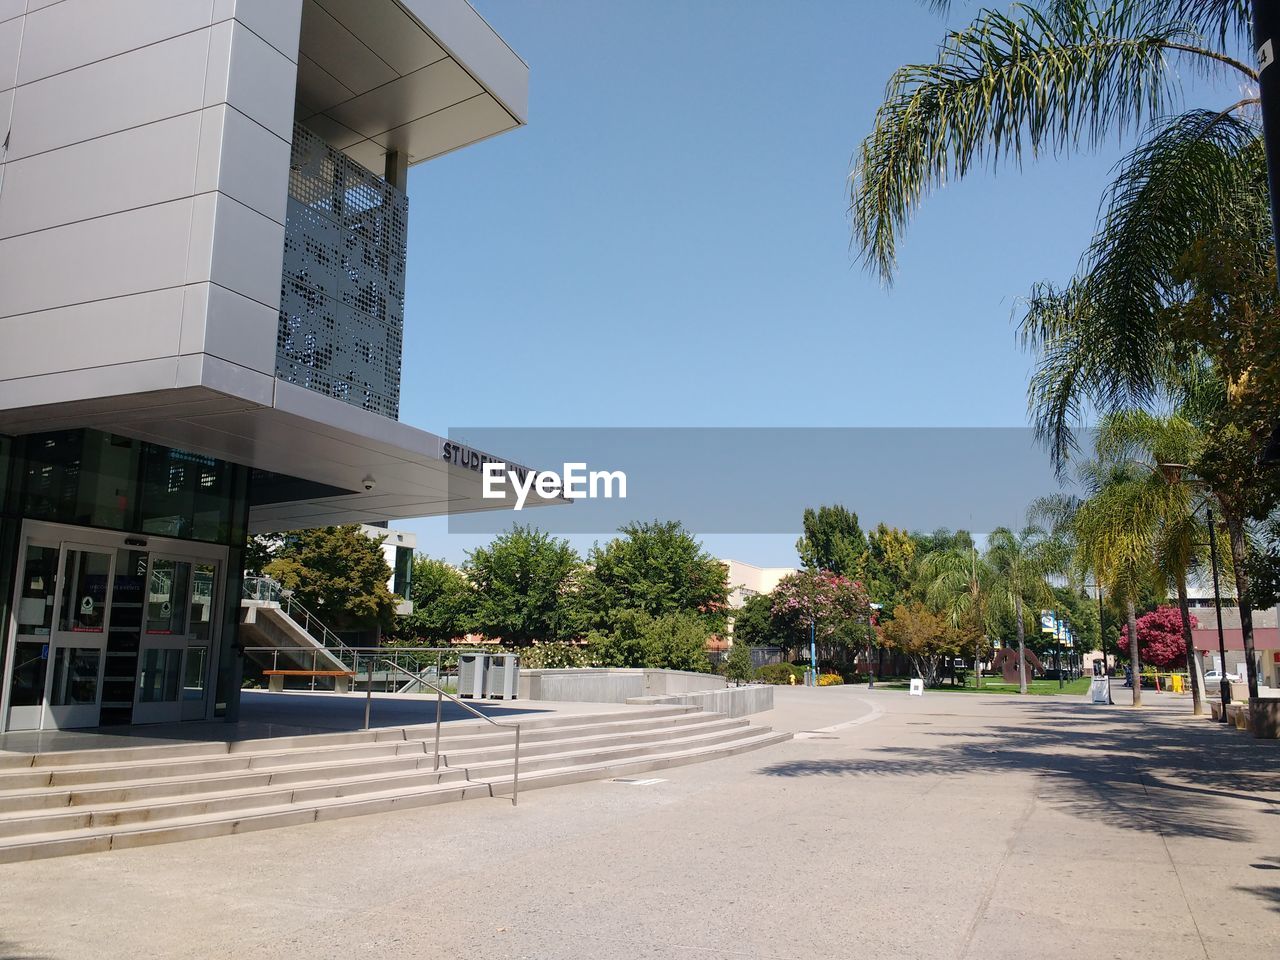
{"points": [[177, 635], [36, 595], [78, 642], [110, 628]]}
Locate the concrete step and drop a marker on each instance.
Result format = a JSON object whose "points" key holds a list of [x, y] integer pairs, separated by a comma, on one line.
{"points": [[290, 767], [70, 768], [109, 809], [265, 816]]}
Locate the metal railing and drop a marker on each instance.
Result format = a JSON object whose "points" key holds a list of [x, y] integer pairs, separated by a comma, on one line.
{"points": [[440, 695], [267, 590], [366, 659]]}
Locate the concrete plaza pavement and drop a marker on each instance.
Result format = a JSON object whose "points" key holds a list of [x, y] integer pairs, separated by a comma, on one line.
{"points": [[952, 825]]}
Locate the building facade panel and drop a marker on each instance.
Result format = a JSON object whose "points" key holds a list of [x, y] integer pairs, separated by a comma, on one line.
{"points": [[115, 256], [251, 75], [275, 21], [120, 330], [110, 95], [10, 44], [247, 251], [73, 33], [230, 326], [121, 171], [244, 160]]}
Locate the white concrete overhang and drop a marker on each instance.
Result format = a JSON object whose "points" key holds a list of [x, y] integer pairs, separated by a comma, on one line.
{"points": [[419, 77], [336, 448]]}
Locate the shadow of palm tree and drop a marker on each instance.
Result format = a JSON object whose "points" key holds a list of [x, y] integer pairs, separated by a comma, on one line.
{"points": [[11, 951], [1135, 771]]}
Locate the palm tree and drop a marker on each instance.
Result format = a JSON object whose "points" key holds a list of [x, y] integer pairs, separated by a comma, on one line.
{"points": [[1164, 446], [1115, 529], [1044, 78], [957, 582], [1021, 563]]}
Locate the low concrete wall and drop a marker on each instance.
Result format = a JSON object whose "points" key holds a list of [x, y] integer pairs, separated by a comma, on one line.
{"points": [[612, 685], [731, 701], [1264, 717]]}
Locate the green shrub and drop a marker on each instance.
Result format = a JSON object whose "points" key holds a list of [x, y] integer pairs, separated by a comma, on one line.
{"points": [[552, 656], [776, 673]]}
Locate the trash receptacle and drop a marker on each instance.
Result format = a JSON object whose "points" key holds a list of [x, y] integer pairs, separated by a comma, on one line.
{"points": [[471, 671], [503, 676]]}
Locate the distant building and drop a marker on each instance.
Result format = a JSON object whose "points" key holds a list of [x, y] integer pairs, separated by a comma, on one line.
{"points": [[746, 580]]}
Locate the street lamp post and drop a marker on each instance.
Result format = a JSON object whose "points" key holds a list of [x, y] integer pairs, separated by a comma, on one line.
{"points": [[1066, 623], [1102, 644], [813, 651], [1224, 685]]}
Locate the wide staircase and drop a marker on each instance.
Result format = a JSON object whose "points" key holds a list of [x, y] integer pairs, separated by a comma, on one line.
{"points": [[79, 801]]}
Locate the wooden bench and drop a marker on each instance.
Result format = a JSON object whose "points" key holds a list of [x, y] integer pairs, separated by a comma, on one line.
{"points": [[341, 682]]}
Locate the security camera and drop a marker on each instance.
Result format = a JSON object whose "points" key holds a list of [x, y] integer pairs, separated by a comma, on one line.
{"points": [[369, 483]]}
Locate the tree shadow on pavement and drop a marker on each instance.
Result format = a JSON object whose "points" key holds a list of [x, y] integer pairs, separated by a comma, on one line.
{"points": [[1150, 771], [11, 951], [1270, 894]]}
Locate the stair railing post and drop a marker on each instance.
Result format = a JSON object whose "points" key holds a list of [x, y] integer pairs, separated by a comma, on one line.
{"points": [[439, 711], [515, 772], [368, 693]]}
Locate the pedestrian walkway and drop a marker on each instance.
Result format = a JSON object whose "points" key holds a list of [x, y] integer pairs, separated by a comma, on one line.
{"points": [[948, 826]]}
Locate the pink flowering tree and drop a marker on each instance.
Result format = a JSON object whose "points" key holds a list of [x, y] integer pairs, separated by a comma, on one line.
{"points": [[834, 605], [1160, 640]]}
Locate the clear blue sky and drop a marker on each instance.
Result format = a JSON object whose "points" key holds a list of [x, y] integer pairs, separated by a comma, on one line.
{"points": [[666, 242]]}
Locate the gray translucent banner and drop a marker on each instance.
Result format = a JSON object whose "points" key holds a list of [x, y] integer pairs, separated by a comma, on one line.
{"points": [[759, 480]]}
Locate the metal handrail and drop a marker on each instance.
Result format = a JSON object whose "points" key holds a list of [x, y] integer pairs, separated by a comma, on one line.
{"points": [[440, 695]]}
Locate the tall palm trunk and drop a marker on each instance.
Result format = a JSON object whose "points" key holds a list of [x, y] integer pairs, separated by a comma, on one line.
{"points": [[1197, 702], [1022, 646], [1134, 663], [1239, 552]]}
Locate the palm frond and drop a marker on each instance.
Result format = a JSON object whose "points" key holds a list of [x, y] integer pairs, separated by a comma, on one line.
{"points": [[1104, 341], [1221, 21], [1007, 87]]}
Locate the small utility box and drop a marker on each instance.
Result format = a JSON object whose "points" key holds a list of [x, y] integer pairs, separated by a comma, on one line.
{"points": [[472, 668], [503, 678]]}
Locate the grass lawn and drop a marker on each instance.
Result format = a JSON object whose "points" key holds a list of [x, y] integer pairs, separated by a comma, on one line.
{"points": [[992, 685]]}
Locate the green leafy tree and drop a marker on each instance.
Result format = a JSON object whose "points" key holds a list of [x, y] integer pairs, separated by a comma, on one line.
{"points": [[926, 638], [832, 606], [738, 665], [655, 568], [940, 540], [753, 622], [834, 541], [259, 551], [337, 573], [443, 602], [675, 640], [522, 587], [891, 566]]}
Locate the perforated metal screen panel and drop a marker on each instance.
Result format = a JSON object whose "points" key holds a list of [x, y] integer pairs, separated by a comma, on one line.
{"points": [[342, 294]]}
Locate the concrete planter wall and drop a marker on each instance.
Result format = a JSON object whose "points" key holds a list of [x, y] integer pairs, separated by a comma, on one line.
{"points": [[1264, 717], [612, 685], [731, 701]]}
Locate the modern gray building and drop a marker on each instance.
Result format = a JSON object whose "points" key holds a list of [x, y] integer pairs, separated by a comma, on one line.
{"points": [[203, 221]]}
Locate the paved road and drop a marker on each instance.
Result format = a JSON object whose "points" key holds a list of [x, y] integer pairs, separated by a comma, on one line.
{"points": [[954, 825]]}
